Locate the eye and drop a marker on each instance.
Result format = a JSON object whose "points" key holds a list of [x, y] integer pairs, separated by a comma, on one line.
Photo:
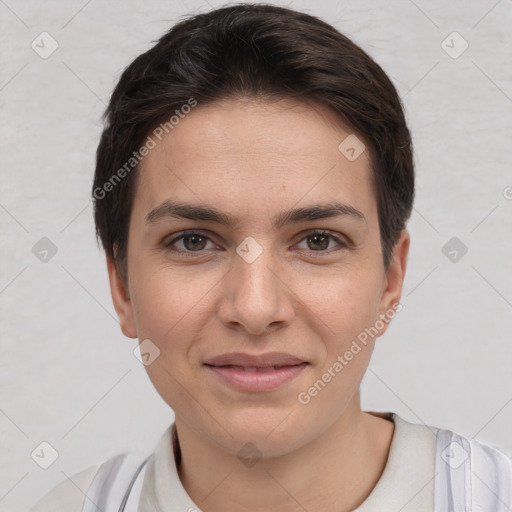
{"points": [[319, 241], [193, 241]]}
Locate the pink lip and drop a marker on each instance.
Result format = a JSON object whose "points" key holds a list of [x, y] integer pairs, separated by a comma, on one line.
{"points": [[263, 372], [258, 361], [258, 379]]}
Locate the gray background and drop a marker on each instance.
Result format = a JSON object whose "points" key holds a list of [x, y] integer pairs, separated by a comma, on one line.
{"points": [[68, 375]]}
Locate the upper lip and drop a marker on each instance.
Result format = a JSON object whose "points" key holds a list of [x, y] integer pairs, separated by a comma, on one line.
{"points": [[254, 361]]}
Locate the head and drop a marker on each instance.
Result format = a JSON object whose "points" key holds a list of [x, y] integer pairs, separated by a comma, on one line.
{"points": [[252, 188]]}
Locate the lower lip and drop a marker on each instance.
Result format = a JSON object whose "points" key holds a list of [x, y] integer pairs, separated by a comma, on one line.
{"points": [[258, 380]]}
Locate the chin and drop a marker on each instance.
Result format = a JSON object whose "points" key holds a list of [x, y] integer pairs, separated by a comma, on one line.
{"points": [[267, 432]]}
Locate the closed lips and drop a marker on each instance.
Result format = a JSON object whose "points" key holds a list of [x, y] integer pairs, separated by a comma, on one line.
{"points": [[254, 368], [261, 362], [255, 373]]}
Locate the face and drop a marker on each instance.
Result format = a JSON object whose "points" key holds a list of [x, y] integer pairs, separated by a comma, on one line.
{"points": [[296, 271]]}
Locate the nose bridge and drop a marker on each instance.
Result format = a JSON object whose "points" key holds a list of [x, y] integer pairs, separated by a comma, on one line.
{"points": [[254, 271], [256, 297]]}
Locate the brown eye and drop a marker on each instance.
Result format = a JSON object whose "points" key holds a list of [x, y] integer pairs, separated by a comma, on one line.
{"points": [[319, 241], [192, 241]]}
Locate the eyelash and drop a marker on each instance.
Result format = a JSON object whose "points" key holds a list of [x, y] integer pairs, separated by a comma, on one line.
{"points": [[187, 253]]}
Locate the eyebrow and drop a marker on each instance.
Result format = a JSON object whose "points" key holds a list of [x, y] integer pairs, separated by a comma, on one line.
{"points": [[180, 210]]}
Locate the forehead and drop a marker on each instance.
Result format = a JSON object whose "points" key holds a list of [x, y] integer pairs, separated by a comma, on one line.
{"points": [[256, 156]]}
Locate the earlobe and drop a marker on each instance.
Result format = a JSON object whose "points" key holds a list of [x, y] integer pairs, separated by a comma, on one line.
{"points": [[395, 275], [121, 300]]}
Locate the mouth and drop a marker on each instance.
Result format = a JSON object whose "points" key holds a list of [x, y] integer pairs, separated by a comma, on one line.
{"points": [[245, 360], [248, 373], [253, 368]]}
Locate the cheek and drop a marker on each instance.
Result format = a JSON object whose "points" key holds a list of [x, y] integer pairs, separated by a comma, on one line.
{"points": [[345, 308], [344, 303], [171, 307], [163, 297], [167, 307]]}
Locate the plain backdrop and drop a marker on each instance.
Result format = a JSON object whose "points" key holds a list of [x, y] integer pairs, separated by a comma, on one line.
{"points": [[69, 377]]}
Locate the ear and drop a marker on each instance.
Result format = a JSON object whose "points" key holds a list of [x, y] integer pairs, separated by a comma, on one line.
{"points": [[394, 278], [121, 300]]}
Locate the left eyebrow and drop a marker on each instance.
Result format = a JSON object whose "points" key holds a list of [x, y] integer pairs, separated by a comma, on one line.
{"points": [[198, 212]]}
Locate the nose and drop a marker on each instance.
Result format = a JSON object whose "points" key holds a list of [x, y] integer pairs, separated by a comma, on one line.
{"points": [[256, 297]]}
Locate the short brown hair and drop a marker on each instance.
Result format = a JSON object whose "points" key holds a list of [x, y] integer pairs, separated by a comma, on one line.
{"points": [[260, 51]]}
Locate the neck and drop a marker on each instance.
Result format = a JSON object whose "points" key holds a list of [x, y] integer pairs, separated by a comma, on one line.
{"points": [[341, 467]]}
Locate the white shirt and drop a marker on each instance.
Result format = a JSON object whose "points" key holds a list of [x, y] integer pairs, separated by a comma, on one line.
{"points": [[406, 484]]}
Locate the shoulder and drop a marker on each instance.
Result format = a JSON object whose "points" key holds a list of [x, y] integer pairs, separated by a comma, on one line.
{"points": [[467, 474], [109, 482], [489, 454], [475, 474], [69, 495], [454, 450]]}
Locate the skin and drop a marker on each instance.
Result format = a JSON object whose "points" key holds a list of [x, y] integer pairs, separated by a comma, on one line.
{"points": [[301, 296]]}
